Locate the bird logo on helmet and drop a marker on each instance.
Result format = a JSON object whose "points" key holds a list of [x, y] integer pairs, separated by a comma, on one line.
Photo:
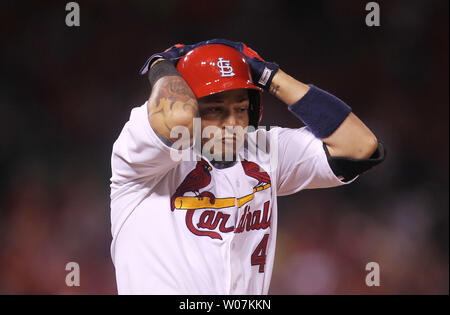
{"points": [[216, 68]]}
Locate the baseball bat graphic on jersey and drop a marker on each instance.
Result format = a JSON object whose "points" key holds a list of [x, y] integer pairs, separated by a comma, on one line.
{"points": [[190, 203], [200, 177]]}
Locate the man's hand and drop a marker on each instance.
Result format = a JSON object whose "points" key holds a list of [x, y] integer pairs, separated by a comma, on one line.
{"points": [[172, 54]]}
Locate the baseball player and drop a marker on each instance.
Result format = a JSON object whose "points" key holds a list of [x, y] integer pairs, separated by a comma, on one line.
{"points": [[207, 224]]}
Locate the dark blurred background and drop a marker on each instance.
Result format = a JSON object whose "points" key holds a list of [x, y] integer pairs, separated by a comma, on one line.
{"points": [[67, 91]]}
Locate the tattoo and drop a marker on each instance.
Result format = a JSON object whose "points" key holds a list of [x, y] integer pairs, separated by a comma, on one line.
{"points": [[274, 89], [179, 87], [170, 95], [158, 112], [167, 126], [174, 89], [194, 109]]}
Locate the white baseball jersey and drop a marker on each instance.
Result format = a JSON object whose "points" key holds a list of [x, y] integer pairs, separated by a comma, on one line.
{"points": [[186, 227]]}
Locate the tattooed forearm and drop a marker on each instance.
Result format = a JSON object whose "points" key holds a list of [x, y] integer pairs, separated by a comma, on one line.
{"points": [[173, 87], [171, 103], [174, 90], [178, 86], [274, 89]]}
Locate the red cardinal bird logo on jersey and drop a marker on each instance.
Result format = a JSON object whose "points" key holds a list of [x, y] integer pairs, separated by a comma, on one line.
{"points": [[254, 170], [197, 179]]}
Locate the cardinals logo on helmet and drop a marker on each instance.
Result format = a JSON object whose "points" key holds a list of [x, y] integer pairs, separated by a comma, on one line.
{"points": [[225, 68]]}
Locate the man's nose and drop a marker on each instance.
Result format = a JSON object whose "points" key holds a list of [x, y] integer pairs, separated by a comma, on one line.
{"points": [[230, 120]]}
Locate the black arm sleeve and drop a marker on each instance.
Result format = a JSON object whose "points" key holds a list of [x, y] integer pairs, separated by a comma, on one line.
{"points": [[350, 168], [161, 69]]}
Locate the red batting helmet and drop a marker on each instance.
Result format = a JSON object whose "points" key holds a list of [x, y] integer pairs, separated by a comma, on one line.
{"points": [[215, 68]]}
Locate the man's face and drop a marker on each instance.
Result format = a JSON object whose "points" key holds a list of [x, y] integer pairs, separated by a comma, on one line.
{"points": [[224, 118]]}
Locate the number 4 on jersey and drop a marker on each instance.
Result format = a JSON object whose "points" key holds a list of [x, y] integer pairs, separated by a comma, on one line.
{"points": [[259, 254]]}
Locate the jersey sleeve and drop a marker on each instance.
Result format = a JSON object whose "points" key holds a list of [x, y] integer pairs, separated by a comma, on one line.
{"points": [[138, 154], [302, 162]]}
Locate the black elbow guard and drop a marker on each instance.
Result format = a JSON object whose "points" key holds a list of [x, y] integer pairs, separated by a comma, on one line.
{"points": [[350, 168]]}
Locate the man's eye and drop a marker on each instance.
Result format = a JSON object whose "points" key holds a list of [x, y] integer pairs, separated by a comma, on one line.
{"points": [[214, 110]]}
